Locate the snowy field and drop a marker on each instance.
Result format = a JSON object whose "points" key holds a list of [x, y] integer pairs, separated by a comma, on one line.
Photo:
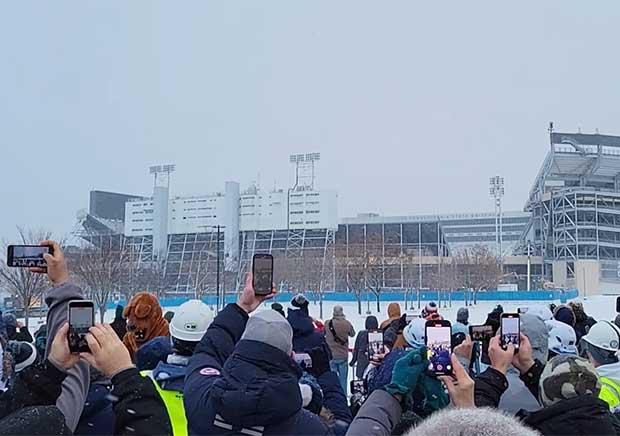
{"points": [[600, 307]]}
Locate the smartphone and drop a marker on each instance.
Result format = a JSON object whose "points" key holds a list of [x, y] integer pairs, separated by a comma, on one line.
{"points": [[358, 387], [375, 342], [303, 359], [510, 330], [439, 345], [483, 334], [25, 256], [81, 318], [262, 274], [618, 304]]}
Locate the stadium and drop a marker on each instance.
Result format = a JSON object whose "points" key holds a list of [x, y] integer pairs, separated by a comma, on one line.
{"points": [[566, 236]]}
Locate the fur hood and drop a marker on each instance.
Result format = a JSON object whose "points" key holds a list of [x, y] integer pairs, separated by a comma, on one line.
{"points": [[471, 422]]}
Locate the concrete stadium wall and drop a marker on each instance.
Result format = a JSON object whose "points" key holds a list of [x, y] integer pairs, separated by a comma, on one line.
{"points": [[285, 297]]}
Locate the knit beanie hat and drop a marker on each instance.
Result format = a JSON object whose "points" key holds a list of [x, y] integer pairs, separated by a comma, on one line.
{"points": [[565, 377], [278, 308], [430, 307], [565, 314], [462, 315], [269, 327], [300, 301]]}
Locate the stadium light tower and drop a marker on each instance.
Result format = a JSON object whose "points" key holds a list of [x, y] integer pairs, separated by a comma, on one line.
{"points": [[304, 170], [163, 172], [496, 190]]}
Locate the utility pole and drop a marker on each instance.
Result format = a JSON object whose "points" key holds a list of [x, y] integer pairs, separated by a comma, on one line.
{"points": [[217, 278]]}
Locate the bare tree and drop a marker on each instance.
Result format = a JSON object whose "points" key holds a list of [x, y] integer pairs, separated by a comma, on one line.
{"points": [[26, 287], [101, 267], [477, 268]]}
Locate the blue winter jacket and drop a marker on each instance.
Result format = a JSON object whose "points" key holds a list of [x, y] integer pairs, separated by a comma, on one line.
{"points": [[248, 387], [305, 337]]}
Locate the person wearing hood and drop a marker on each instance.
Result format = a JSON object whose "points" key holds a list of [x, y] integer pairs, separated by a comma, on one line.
{"points": [[583, 321], [602, 345], [242, 379], [394, 314], [119, 324], [517, 395], [462, 316], [360, 350], [394, 325], [278, 308], [305, 336], [337, 333], [493, 318]]}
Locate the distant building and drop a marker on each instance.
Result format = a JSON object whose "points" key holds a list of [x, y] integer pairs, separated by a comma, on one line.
{"points": [[575, 206]]}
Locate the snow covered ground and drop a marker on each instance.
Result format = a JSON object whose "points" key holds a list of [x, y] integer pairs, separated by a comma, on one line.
{"points": [[600, 307]]}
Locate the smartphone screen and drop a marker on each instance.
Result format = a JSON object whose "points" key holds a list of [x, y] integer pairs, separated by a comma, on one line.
{"points": [[25, 256], [358, 386], [438, 342], [375, 342], [262, 273], [483, 334], [303, 359], [510, 330], [81, 318]]}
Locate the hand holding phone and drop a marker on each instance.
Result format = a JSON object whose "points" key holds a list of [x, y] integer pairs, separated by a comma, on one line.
{"points": [[510, 330], [376, 345], [27, 256], [439, 344], [262, 274], [81, 319]]}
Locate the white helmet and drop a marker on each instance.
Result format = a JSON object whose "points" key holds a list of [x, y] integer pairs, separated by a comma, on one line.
{"points": [[191, 321], [562, 339], [604, 335]]}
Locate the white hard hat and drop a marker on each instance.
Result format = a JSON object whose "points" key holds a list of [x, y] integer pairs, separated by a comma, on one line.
{"points": [[191, 320], [562, 339], [604, 335]]}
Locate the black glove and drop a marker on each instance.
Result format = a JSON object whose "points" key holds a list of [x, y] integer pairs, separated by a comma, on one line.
{"points": [[320, 360]]}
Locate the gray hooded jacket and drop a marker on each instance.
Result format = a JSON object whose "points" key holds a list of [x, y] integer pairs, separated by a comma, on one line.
{"points": [[76, 384]]}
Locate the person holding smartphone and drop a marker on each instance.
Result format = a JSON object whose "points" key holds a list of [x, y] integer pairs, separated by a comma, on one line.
{"points": [[75, 385]]}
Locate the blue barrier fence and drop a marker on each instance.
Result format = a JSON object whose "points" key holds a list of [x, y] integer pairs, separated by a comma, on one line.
{"points": [[388, 296]]}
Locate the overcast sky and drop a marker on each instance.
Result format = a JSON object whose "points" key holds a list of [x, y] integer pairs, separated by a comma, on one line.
{"points": [[412, 105]]}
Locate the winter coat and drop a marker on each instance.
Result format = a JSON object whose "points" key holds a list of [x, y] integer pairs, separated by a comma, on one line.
{"points": [[360, 350], [235, 386], [517, 395], [344, 329], [75, 385], [37, 420], [37, 385], [378, 416], [98, 416], [139, 409], [584, 415], [154, 351], [305, 337], [119, 325], [582, 326], [393, 314]]}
